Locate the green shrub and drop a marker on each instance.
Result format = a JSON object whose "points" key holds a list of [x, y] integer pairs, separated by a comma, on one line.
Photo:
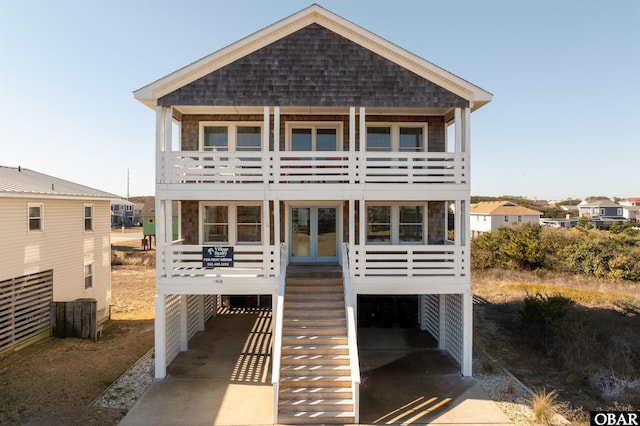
{"points": [[544, 317]]}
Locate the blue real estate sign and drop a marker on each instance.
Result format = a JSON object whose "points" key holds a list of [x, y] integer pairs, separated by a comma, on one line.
{"points": [[217, 257]]}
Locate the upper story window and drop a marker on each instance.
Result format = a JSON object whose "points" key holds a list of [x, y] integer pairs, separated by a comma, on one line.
{"points": [[397, 137], [232, 223], [396, 223], [36, 211], [88, 217], [602, 212], [619, 211], [245, 136], [324, 136]]}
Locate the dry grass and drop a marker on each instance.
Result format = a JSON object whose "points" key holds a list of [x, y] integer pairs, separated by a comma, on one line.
{"points": [[131, 253], [545, 406], [592, 356]]}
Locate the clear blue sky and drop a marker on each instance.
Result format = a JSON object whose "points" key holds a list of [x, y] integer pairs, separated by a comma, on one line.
{"points": [[564, 120]]}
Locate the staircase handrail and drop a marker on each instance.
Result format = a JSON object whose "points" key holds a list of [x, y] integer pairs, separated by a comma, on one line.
{"points": [[352, 336], [277, 328]]}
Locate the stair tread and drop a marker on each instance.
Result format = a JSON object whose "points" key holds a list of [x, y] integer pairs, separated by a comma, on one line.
{"points": [[316, 401]]}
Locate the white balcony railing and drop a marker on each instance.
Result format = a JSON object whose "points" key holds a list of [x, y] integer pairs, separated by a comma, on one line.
{"points": [[258, 261], [249, 261], [314, 167], [407, 260]]}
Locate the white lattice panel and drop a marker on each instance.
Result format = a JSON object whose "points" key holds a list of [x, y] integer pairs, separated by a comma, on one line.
{"points": [[430, 315], [193, 314], [453, 326], [211, 303], [172, 309]]}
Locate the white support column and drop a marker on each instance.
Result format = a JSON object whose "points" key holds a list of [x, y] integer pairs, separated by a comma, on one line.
{"points": [[160, 177], [363, 236], [363, 143], [457, 234], [352, 235], [467, 334], [266, 133], [160, 336], [161, 268], [458, 129], [276, 236], [266, 246], [352, 145], [276, 146], [466, 131], [168, 236], [442, 321], [184, 323], [168, 131]]}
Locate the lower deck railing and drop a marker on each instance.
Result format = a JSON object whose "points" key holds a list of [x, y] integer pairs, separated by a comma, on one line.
{"points": [[259, 261], [352, 335]]}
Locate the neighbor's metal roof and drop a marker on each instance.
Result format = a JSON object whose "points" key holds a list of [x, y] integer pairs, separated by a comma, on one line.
{"points": [[20, 182]]}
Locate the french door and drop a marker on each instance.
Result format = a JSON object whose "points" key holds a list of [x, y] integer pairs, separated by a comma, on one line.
{"points": [[314, 234]]}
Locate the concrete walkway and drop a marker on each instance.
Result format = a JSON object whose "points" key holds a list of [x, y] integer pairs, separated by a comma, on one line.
{"points": [[224, 379]]}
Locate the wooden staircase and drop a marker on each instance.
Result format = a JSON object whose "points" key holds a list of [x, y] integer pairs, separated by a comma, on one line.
{"points": [[315, 373]]}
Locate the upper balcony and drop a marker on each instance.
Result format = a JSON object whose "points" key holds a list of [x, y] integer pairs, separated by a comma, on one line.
{"points": [[337, 167]]}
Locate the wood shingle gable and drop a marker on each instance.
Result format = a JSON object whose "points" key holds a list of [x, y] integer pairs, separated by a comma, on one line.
{"points": [[314, 66]]}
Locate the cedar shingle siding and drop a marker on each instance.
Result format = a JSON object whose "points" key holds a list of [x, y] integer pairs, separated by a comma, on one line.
{"points": [[313, 66]]}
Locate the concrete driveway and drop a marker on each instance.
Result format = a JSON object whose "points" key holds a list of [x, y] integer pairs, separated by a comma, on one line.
{"points": [[224, 379]]}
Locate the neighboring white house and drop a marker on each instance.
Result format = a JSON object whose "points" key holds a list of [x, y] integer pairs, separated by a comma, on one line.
{"points": [[55, 246], [313, 142], [489, 215], [632, 201]]}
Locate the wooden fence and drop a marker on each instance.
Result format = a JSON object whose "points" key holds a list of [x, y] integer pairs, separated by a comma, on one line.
{"points": [[24, 309]]}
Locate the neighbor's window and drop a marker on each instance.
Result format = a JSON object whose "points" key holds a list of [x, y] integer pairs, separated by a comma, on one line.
{"points": [[88, 276], [619, 212], [88, 218], [602, 212], [519, 218], [249, 224], [35, 217], [506, 218], [216, 224]]}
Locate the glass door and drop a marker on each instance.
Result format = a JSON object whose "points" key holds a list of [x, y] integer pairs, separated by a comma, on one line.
{"points": [[314, 234]]}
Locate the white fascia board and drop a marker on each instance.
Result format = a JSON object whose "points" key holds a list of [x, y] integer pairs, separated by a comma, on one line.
{"points": [[313, 14]]}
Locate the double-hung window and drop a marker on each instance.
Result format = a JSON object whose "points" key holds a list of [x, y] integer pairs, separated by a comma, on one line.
{"points": [[399, 137], [35, 211], [396, 223], [230, 137], [88, 217], [232, 223], [321, 136], [88, 276]]}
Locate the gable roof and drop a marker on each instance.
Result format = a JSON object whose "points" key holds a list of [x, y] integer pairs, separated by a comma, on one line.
{"points": [[312, 15], [21, 182], [501, 208], [598, 203]]}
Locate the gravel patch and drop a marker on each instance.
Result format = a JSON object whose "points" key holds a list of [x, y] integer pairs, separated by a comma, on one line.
{"points": [[125, 391]]}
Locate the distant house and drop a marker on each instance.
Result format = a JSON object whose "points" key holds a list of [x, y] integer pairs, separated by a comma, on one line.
{"points": [[54, 247], [631, 213], [489, 215], [148, 215], [568, 222], [630, 202], [602, 213], [122, 213]]}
